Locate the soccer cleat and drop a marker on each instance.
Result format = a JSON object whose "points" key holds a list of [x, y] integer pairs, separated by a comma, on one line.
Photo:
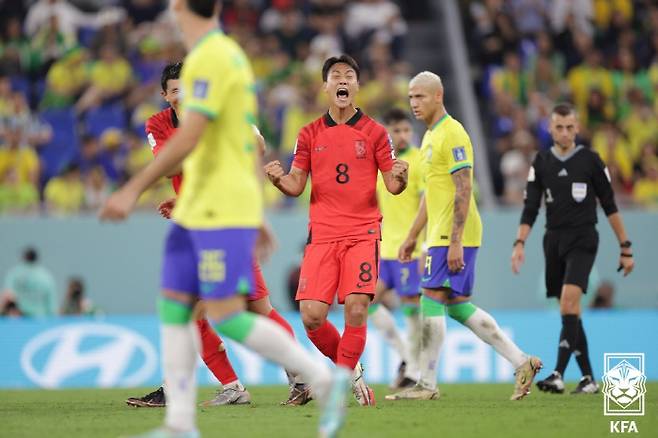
{"points": [[552, 383], [363, 394], [229, 395], [525, 374], [300, 394], [164, 432], [417, 392], [399, 377], [155, 399], [333, 407], [587, 385]]}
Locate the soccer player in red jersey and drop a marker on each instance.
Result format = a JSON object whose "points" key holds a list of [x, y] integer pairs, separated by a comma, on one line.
{"points": [[159, 128], [343, 150]]}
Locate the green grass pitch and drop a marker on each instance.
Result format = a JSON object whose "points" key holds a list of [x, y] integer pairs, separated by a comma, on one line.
{"points": [[471, 410]]}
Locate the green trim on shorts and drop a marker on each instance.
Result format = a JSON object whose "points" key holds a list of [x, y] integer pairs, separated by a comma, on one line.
{"points": [[174, 312], [409, 310], [237, 326], [430, 307], [461, 311], [373, 308]]}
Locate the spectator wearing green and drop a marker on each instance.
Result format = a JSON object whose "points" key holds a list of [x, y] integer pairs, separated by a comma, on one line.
{"points": [[33, 286]]}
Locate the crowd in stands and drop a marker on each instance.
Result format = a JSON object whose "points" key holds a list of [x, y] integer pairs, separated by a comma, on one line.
{"points": [[77, 85], [601, 55]]}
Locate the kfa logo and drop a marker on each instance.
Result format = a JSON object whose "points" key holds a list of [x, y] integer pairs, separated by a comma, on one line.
{"points": [[624, 384], [88, 354]]}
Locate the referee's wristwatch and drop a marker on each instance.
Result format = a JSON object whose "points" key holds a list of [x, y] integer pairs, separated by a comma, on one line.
{"points": [[626, 244]]}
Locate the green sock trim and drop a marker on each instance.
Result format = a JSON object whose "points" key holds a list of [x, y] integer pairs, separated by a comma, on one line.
{"points": [[238, 326], [430, 307], [461, 311], [373, 308], [409, 310], [174, 312]]}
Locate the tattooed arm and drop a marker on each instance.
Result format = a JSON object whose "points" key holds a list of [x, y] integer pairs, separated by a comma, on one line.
{"points": [[463, 188]]}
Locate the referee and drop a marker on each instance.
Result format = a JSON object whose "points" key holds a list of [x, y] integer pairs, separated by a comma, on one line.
{"points": [[570, 177]]}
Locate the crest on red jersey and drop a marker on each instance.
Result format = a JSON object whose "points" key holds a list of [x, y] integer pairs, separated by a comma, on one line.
{"points": [[360, 148]]}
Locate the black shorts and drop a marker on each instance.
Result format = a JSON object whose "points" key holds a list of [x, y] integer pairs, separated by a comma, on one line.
{"points": [[569, 257]]}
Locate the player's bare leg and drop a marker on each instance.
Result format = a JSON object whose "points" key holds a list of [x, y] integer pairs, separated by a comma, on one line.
{"points": [[299, 392], [383, 320]]}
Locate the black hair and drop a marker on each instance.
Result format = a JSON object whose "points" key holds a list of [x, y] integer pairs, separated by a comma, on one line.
{"points": [[30, 255], [172, 71], [204, 8], [395, 115], [344, 59], [563, 109]]}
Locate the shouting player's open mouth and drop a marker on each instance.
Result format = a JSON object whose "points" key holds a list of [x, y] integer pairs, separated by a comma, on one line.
{"points": [[342, 95]]}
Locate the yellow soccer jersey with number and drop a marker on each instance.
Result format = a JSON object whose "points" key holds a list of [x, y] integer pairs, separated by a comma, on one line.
{"points": [[446, 149], [220, 186], [399, 211]]}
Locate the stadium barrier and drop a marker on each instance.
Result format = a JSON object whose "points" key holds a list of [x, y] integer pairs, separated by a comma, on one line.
{"points": [[123, 351]]}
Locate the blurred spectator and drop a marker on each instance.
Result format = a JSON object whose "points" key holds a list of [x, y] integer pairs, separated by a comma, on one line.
{"points": [[111, 77], [16, 155], [646, 188], [9, 308], [19, 116], [65, 194], [515, 165], [75, 301], [377, 20], [92, 155], [510, 79], [50, 44], [587, 76], [604, 296], [97, 189], [613, 148], [69, 17], [66, 79], [17, 197], [32, 285], [19, 55]]}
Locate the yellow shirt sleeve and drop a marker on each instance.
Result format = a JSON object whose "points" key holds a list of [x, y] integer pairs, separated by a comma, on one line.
{"points": [[457, 151], [205, 85]]}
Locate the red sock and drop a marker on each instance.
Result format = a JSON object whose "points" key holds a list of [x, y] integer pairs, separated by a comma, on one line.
{"points": [[276, 317], [214, 354], [351, 346], [326, 338]]}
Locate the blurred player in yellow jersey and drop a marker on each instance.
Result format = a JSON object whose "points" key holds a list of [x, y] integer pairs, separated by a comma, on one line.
{"points": [[454, 235], [209, 250], [399, 213]]}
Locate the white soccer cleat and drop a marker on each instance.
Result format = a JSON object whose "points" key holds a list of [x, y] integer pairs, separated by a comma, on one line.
{"points": [[417, 392], [363, 394]]}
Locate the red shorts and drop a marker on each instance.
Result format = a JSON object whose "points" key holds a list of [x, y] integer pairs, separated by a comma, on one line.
{"points": [[260, 288], [343, 267]]}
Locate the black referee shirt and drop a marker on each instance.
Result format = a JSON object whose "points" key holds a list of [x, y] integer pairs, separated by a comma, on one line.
{"points": [[570, 185]]}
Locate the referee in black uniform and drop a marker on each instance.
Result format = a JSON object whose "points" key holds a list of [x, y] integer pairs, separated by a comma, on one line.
{"points": [[571, 178]]}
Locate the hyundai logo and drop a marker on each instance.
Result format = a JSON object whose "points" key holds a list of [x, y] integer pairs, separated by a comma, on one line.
{"points": [[112, 355]]}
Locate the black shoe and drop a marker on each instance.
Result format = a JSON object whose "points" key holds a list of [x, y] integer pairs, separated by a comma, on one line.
{"points": [[552, 383], [155, 399], [587, 385]]}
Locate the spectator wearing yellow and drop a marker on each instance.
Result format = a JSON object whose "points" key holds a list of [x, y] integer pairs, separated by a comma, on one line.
{"points": [[640, 127], [613, 148], [605, 10], [111, 76], [65, 194], [645, 191], [66, 79], [511, 79], [16, 155], [587, 76], [628, 79], [5, 95], [17, 197]]}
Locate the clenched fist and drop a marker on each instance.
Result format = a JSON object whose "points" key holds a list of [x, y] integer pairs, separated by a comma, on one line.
{"points": [[274, 171], [400, 170]]}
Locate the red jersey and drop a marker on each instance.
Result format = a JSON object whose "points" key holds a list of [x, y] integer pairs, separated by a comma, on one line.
{"points": [[159, 127], [343, 161]]}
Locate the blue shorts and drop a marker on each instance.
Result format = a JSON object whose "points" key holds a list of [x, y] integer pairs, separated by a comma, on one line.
{"points": [[211, 264], [437, 275], [403, 277]]}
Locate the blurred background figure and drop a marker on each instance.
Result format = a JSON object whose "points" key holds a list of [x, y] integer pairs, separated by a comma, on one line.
{"points": [[32, 286], [604, 296], [75, 301]]}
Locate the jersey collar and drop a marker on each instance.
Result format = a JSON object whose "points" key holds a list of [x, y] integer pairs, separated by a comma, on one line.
{"points": [[564, 158], [436, 125], [351, 122]]}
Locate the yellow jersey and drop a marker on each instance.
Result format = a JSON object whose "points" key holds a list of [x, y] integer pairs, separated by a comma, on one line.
{"points": [[446, 149], [399, 211], [221, 188]]}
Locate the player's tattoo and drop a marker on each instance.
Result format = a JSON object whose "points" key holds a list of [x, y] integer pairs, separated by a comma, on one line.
{"points": [[462, 181]]}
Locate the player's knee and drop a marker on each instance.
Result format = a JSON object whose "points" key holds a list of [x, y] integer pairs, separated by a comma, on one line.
{"points": [[313, 320], [356, 314]]}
